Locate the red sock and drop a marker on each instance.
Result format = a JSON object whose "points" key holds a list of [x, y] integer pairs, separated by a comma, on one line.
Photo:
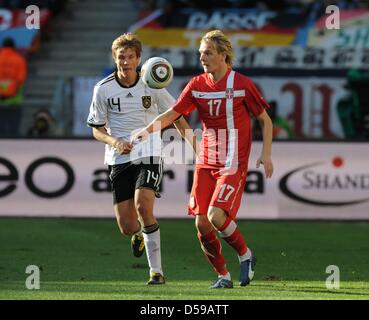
{"points": [[212, 248], [232, 235]]}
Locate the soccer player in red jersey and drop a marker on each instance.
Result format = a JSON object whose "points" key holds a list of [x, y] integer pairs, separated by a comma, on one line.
{"points": [[225, 100]]}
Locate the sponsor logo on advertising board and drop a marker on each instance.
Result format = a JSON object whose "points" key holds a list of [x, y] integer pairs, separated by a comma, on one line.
{"points": [[326, 183]]}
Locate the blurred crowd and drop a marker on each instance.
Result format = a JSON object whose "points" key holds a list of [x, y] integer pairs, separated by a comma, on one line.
{"points": [[13, 70], [248, 4], [54, 5], [13, 74], [13, 65]]}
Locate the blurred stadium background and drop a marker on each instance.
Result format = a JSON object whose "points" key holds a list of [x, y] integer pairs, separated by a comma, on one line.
{"points": [[315, 78]]}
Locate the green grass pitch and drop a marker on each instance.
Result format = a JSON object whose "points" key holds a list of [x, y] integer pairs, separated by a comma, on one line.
{"points": [[89, 259]]}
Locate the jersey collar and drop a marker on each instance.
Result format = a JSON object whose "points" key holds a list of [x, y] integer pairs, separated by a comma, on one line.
{"points": [[126, 87], [220, 81]]}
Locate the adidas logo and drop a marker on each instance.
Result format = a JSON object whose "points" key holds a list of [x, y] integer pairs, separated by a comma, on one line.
{"points": [[129, 95]]}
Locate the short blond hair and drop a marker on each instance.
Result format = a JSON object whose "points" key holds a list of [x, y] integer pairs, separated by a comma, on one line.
{"points": [[127, 40], [221, 44]]}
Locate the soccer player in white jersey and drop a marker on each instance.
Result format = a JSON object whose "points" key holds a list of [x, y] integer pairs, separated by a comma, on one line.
{"points": [[121, 104], [225, 100]]}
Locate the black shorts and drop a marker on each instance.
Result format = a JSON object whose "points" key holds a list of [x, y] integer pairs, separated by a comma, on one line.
{"points": [[127, 177]]}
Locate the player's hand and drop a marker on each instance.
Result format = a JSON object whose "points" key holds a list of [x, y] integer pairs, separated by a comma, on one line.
{"points": [[123, 147], [268, 165], [139, 136]]}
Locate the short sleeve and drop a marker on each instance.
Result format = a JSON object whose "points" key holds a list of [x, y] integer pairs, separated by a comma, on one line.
{"points": [[255, 102], [164, 100], [185, 103], [98, 109]]}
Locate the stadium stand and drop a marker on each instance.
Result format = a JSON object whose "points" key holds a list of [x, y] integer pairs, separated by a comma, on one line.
{"points": [[288, 47], [79, 39], [23, 39], [54, 5], [250, 4], [13, 72], [76, 42]]}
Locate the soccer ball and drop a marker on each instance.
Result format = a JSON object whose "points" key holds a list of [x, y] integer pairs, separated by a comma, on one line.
{"points": [[157, 73]]}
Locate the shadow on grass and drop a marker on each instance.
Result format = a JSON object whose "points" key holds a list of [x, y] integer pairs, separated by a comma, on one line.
{"points": [[314, 289]]}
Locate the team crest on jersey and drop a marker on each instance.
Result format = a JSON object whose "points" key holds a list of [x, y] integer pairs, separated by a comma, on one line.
{"points": [[146, 102], [229, 93]]}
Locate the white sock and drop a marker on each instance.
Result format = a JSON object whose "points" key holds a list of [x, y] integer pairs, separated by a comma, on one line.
{"points": [[152, 247], [226, 276], [246, 256]]}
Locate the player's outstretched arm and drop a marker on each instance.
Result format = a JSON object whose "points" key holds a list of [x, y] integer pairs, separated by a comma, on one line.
{"points": [[122, 147], [160, 122], [266, 154]]}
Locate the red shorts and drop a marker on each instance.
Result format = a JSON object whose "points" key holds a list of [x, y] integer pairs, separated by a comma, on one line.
{"points": [[210, 188]]}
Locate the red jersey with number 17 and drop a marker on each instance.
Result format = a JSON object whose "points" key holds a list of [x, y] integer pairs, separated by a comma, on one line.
{"points": [[225, 109]]}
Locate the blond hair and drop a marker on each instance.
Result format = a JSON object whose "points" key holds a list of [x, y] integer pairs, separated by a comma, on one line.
{"points": [[127, 40], [221, 44]]}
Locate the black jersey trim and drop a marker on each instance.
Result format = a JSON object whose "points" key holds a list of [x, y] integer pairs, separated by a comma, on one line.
{"points": [[126, 87], [105, 80], [93, 125]]}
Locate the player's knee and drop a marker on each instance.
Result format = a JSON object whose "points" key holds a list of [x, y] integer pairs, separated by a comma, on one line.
{"points": [[203, 226], [216, 216], [212, 215]]}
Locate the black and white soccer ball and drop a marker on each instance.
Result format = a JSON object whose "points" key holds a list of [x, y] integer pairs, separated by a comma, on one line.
{"points": [[157, 73]]}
